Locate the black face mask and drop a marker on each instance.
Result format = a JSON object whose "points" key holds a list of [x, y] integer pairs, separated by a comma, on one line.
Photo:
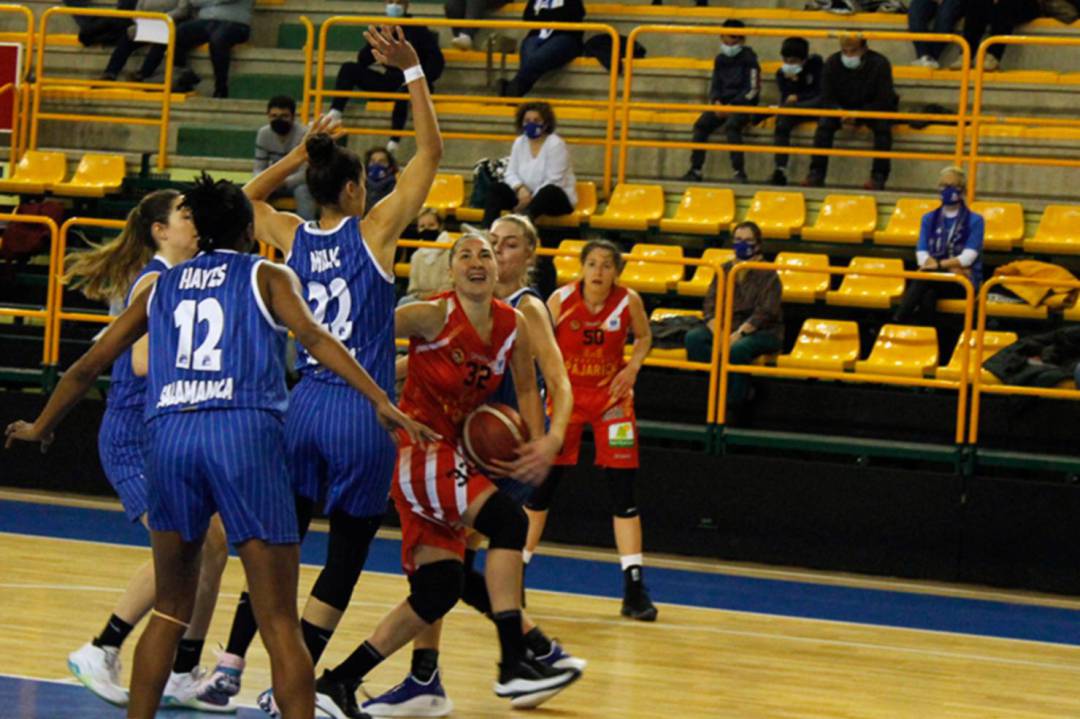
{"points": [[281, 126], [428, 235]]}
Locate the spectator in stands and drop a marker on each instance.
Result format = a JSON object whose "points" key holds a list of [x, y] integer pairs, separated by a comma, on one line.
{"points": [[364, 76], [799, 81], [856, 78], [382, 168], [951, 240], [1001, 17], [757, 319], [470, 10], [276, 139], [429, 267], [938, 16], [539, 179], [736, 80], [222, 23], [178, 10], [546, 50]]}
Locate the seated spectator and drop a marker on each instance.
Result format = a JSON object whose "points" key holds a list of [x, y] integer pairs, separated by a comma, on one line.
{"points": [[469, 10], [938, 16], [539, 179], [429, 267], [856, 78], [799, 82], [381, 178], [757, 318], [1001, 17], [736, 80], [276, 139], [950, 240], [362, 75], [178, 10], [222, 23], [546, 50]]}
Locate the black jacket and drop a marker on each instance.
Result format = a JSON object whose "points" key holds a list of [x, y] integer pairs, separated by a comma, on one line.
{"points": [[556, 11], [1058, 353], [736, 80], [868, 87], [426, 44], [806, 85]]}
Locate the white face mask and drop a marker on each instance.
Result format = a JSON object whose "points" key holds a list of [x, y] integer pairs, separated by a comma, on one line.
{"points": [[851, 62], [730, 50], [791, 69]]}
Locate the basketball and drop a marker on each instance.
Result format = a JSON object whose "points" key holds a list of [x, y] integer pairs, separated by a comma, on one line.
{"points": [[493, 432]]}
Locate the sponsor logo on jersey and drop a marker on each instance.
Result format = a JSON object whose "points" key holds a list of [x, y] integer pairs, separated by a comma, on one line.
{"points": [[458, 356], [575, 325], [195, 391], [621, 434]]}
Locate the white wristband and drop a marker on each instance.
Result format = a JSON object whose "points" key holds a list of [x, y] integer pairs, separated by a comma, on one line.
{"points": [[413, 73]]}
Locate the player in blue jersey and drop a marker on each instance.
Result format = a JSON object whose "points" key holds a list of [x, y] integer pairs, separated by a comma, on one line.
{"points": [[215, 404], [157, 235], [337, 452]]}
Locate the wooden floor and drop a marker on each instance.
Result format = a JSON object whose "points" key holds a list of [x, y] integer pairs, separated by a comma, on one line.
{"points": [[694, 662]]}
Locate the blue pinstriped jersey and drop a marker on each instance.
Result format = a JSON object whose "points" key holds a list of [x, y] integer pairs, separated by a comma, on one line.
{"points": [[507, 393], [126, 389], [213, 342], [349, 294]]}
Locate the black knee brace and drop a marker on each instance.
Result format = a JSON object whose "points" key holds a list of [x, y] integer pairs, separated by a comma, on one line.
{"points": [[621, 484], [346, 552], [305, 508], [540, 501], [435, 589], [475, 592], [503, 522]]}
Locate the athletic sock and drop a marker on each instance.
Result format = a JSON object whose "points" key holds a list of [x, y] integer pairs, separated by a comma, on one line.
{"points": [[511, 642], [537, 642], [115, 632], [357, 665], [188, 654], [526, 556], [244, 627], [424, 664], [315, 639]]}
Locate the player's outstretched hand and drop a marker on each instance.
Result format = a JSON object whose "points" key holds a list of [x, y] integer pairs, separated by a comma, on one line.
{"points": [[390, 48], [25, 432], [393, 419], [533, 462]]}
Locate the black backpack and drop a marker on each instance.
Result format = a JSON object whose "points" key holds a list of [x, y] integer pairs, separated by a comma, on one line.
{"points": [[599, 46]]}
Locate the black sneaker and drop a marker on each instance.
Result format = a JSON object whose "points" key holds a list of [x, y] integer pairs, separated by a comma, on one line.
{"points": [[637, 605], [814, 180], [778, 179], [337, 699], [531, 682], [692, 175]]}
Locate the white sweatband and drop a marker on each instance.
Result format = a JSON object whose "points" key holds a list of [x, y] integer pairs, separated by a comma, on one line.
{"points": [[413, 73]]}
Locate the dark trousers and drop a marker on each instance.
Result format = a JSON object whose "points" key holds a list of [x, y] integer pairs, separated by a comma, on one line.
{"points": [[782, 133], [548, 200], [1001, 18], [708, 123], [826, 132], [221, 35], [354, 76], [540, 57], [470, 10], [120, 54], [699, 343], [932, 16], [920, 300]]}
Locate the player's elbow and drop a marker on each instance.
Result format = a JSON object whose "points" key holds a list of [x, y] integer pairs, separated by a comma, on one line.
{"points": [[433, 148]]}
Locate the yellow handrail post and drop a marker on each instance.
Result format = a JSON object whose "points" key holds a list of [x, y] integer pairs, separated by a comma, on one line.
{"points": [[309, 48]]}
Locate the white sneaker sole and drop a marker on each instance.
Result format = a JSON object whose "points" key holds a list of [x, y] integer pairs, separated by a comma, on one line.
{"points": [[534, 699], [112, 694], [533, 694], [325, 704], [575, 663], [422, 706]]}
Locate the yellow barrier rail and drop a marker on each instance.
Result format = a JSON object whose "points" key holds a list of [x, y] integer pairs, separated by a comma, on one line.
{"points": [[44, 82], [608, 105], [45, 313], [978, 387], [309, 49], [628, 104], [960, 384], [22, 95]]}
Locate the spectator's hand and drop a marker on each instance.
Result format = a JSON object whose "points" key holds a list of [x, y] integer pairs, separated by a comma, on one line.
{"points": [[524, 198], [623, 383], [791, 99], [735, 337], [390, 47], [26, 432], [930, 265]]}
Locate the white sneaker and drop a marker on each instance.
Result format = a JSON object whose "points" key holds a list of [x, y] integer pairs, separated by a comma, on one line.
{"points": [[991, 64], [391, 146], [186, 691], [462, 41], [927, 61], [98, 668]]}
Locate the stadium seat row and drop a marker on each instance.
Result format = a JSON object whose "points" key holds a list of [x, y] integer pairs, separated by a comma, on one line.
{"points": [[39, 172]]}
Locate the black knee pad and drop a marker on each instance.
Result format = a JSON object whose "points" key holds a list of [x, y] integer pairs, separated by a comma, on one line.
{"points": [[436, 588], [540, 501], [503, 522], [621, 484], [475, 592], [346, 552]]}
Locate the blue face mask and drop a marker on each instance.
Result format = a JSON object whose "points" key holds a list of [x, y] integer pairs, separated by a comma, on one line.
{"points": [[377, 173], [533, 130], [950, 195], [395, 10], [744, 250]]}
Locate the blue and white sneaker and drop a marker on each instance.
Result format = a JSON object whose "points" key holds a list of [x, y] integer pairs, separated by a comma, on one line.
{"points": [[224, 682], [184, 691], [559, 658], [412, 698], [267, 704]]}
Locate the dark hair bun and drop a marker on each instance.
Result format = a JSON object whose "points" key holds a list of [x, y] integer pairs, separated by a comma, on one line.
{"points": [[321, 149]]}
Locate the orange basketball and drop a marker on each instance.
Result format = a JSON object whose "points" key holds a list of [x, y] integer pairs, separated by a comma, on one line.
{"points": [[493, 432]]}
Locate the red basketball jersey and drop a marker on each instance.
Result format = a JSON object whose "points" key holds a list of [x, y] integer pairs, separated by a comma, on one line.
{"points": [[592, 344], [456, 372]]}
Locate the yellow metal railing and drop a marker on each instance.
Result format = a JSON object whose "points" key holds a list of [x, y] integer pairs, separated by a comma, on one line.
{"points": [[309, 50], [45, 313]]}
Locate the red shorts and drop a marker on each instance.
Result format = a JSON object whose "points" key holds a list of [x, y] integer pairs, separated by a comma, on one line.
{"points": [[432, 488], [614, 429]]}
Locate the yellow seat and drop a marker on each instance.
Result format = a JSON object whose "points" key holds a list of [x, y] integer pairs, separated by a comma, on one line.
{"points": [[844, 218], [1018, 310], [702, 211], [803, 286], [1059, 231], [672, 353], [905, 221], [583, 210], [698, 285], [96, 176], [903, 350], [993, 342], [1004, 224], [653, 277], [869, 290], [631, 207], [824, 344], [36, 172], [1073, 313], [778, 214], [447, 194], [568, 269]]}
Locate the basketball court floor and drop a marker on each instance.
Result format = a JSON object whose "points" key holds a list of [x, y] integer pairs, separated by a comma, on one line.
{"points": [[731, 640]]}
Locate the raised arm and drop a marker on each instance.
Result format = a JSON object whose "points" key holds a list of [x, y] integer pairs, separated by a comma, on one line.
{"points": [[420, 319]]}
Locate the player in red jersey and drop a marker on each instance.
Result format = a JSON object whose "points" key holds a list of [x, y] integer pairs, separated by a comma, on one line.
{"points": [[593, 318], [460, 346]]}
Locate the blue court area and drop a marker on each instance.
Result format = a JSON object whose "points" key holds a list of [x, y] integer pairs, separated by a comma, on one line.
{"points": [[689, 588]]}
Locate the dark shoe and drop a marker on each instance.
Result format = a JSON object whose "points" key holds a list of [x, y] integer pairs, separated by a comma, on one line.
{"points": [[740, 178], [110, 76], [531, 682], [692, 175], [876, 182], [186, 82], [137, 77], [222, 92], [337, 699], [778, 178], [637, 605], [814, 180]]}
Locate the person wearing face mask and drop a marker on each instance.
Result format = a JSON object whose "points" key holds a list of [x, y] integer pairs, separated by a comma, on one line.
{"points": [[950, 240], [757, 319], [799, 82], [539, 179], [429, 267], [275, 140], [855, 78], [736, 80], [381, 175]]}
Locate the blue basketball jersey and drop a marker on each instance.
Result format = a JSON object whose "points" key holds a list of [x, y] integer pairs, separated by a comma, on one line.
{"points": [[126, 389], [350, 294], [213, 342], [507, 393]]}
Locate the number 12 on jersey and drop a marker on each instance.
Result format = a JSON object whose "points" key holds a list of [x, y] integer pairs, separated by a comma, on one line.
{"points": [[187, 315]]}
